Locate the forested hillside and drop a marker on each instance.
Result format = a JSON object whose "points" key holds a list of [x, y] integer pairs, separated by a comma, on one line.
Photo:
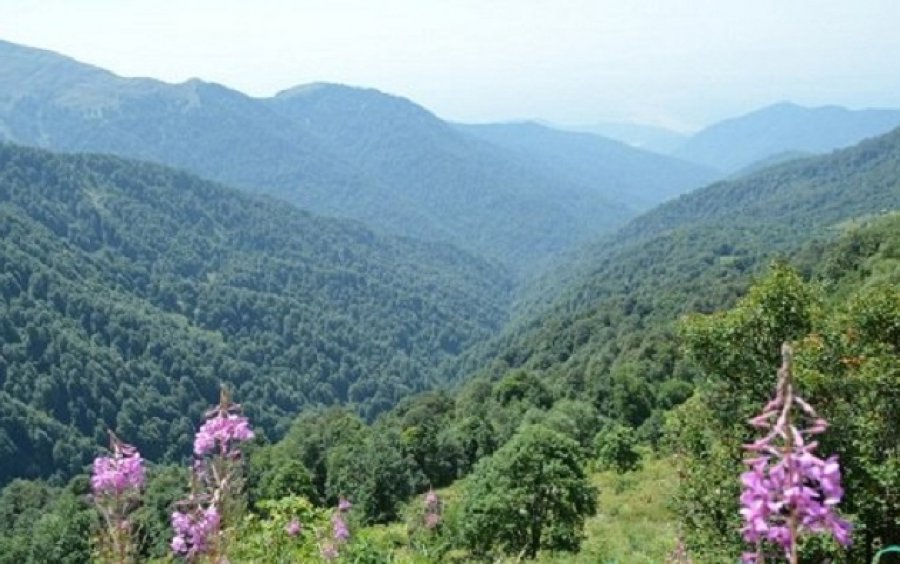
{"points": [[608, 335], [844, 320], [130, 292], [638, 178], [842, 366], [168, 285], [333, 150], [446, 180]]}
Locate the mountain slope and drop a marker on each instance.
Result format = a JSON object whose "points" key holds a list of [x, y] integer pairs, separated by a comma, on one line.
{"points": [[338, 151], [608, 335], [457, 182], [129, 292], [638, 178], [57, 103], [781, 128]]}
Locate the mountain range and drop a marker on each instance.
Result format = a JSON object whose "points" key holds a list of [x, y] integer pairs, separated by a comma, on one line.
{"points": [[780, 129], [129, 290], [640, 178], [658, 139], [763, 137], [335, 150]]}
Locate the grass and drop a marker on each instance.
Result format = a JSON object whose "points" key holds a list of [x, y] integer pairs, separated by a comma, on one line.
{"points": [[633, 523]]}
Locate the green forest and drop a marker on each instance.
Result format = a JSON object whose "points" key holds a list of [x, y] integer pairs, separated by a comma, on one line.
{"points": [[130, 293], [843, 319], [497, 343]]}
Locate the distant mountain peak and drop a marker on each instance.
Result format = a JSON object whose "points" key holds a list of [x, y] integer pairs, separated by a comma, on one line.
{"points": [[333, 88], [781, 106], [785, 127]]}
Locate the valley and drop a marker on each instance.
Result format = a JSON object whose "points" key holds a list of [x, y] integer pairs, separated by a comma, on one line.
{"points": [[461, 341]]}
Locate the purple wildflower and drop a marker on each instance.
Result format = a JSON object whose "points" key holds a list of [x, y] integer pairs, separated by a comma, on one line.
{"points": [[432, 510], [339, 529], [293, 527], [195, 530], [222, 429], [121, 472], [788, 490], [215, 477], [116, 482], [340, 533], [432, 520]]}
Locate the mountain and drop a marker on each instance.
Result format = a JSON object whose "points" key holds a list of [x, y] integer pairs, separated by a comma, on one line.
{"points": [[333, 150], [467, 188], [605, 331], [733, 144], [57, 103], [640, 179], [648, 137], [129, 292]]}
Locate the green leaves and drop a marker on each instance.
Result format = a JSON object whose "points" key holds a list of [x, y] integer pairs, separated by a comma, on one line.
{"points": [[615, 447], [532, 494], [846, 364]]}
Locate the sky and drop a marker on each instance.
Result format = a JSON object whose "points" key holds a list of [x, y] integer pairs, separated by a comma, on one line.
{"points": [[680, 64]]}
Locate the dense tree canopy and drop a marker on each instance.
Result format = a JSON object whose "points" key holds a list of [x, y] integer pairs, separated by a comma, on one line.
{"points": [[531, 495], [602, 326], [129, 292]]}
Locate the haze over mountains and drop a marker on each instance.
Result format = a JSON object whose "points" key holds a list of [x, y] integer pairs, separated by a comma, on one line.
{"points": [[640, 178], [334, 150], [652, 138], [775, 133], [783, 128], [516, 193]]}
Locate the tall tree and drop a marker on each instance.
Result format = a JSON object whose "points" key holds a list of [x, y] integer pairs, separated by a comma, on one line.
{"points": [[531, 495]]}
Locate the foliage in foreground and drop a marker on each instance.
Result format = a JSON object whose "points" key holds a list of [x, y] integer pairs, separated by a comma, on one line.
{"points": [[847, 364], [531, 495], [846, 339]]}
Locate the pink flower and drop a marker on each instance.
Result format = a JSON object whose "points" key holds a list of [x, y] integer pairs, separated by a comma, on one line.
{"points": [[339, 529], [344, 505], [329, 551], [223, 429], [432, 509], [194, 530], [293, 528], [788, 481], [215, 477], [116, 474], [432, 520]]}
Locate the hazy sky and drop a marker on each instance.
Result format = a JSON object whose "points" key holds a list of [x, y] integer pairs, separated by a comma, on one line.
{"points": [[681, 63]]}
